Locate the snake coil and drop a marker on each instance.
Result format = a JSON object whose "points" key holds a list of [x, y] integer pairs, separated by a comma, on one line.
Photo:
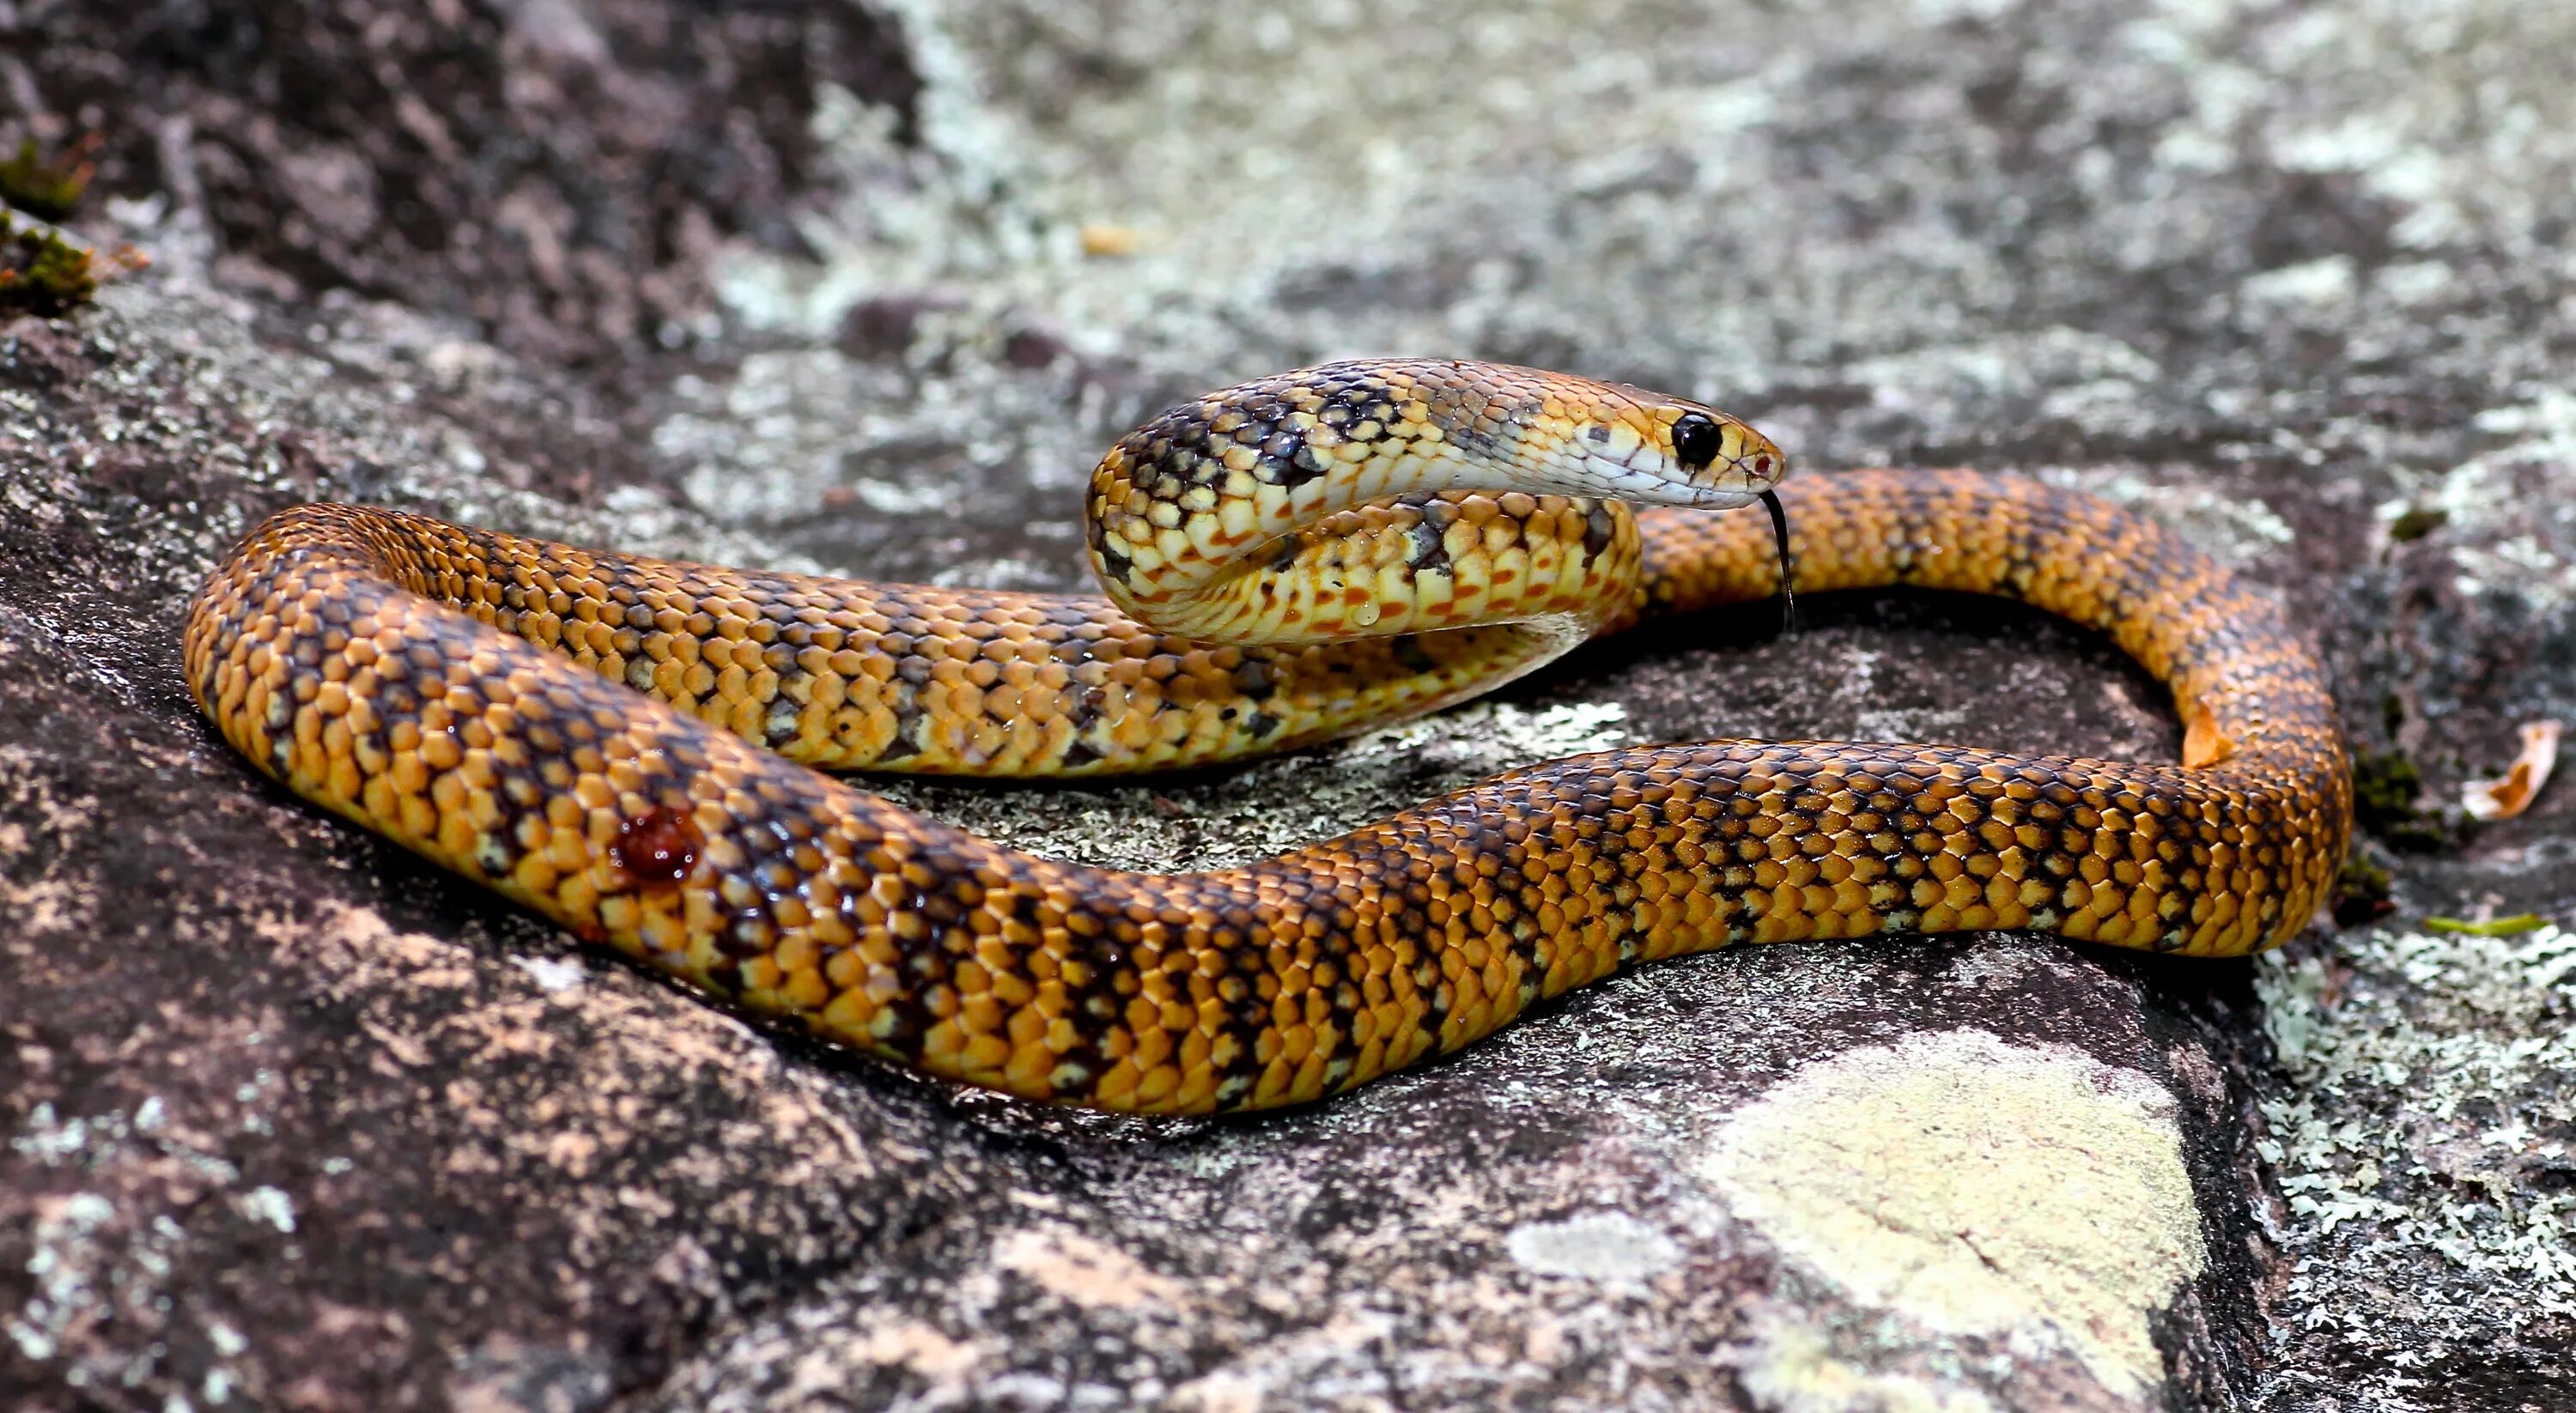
{"points": [[1314, 553]]}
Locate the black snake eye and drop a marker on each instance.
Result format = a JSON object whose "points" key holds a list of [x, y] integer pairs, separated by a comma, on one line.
{"points": [[1696, 440]]}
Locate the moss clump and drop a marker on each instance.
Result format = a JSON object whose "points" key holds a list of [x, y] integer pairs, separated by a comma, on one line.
{"points": [[2385, 786], [2386, 794], [47, 189], [2361, 891], [2415, 522], [41, 273]]}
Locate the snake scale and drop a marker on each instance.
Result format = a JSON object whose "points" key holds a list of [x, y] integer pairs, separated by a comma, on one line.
{"points": [[627, 745]]}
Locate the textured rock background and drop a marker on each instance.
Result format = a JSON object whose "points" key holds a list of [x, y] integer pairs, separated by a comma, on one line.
{"points": [[298, 1122]]}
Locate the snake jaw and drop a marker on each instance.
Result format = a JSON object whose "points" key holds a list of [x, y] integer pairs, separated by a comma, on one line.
{"points": [[1651, 477], [1716, 498], [1661, 487]]}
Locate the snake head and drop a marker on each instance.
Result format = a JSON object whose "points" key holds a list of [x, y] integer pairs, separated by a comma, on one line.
{"points": [[1703, 457], [1648, 449]]}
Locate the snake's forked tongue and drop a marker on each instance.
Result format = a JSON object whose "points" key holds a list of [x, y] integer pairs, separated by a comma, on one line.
{"points": [[1788, 566]]}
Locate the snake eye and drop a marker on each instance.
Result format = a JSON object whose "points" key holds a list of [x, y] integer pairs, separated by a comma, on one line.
{"points": [[1696, 440]]}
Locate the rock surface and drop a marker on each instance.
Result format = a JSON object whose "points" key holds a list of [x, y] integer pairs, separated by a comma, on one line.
{"points": [[296, 1121]]}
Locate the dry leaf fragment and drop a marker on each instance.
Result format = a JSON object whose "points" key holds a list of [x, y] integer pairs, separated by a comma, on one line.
{"points": [[1106, 238], [2513, 926], [2511, 793]]}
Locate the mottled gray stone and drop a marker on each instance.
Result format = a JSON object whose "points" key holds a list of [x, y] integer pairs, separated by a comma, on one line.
{"points": [[297, 1121]]}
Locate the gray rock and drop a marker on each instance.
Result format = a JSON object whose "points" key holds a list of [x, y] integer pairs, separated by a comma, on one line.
{"points": [[297, 1121]]}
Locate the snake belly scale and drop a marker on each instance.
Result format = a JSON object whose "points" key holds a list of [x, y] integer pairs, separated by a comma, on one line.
{"points": [[628, 745]]}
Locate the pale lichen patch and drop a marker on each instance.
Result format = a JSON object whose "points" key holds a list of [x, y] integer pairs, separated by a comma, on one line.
{"points": [[97, 1257], [1593, 1246], [2428, 1106], [1791, 1367], [1973, 1188]]}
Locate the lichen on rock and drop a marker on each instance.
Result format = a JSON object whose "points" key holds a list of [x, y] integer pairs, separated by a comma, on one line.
{"points": [[2425, 1141], [2019, 1195]]}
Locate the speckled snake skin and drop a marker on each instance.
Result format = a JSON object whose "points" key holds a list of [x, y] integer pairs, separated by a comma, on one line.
{"points": [[585, 733]]}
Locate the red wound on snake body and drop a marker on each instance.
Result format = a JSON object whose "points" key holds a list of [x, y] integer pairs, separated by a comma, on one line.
{"points": [[658, 846]]}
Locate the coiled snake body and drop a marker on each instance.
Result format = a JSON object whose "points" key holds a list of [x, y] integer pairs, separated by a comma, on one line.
{"points": [[583, 733]]}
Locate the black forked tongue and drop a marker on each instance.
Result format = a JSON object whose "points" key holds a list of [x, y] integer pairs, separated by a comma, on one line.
{"points": [[1788, 565]]}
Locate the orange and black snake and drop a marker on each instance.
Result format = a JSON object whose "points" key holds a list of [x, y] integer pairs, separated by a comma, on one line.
{"points": [[1315, 552]]}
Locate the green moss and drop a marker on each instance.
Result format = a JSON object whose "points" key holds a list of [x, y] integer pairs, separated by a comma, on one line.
{"points": [[47, 189], [40, 272], [2385, 786], [2415, 522], [2386, 791]]}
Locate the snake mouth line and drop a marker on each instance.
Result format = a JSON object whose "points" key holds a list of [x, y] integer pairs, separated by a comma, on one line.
{"points": [[1788, 563]]}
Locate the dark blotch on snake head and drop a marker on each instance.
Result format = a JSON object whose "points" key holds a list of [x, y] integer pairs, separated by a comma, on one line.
{"points": [[660, 845]]}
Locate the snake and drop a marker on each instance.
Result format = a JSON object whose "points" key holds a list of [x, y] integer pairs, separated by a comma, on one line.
{"points": [[653, 753]]}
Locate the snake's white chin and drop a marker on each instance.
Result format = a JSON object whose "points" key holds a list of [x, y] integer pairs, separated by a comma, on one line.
{"points": [[1661, 486], [1712, 498]]}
